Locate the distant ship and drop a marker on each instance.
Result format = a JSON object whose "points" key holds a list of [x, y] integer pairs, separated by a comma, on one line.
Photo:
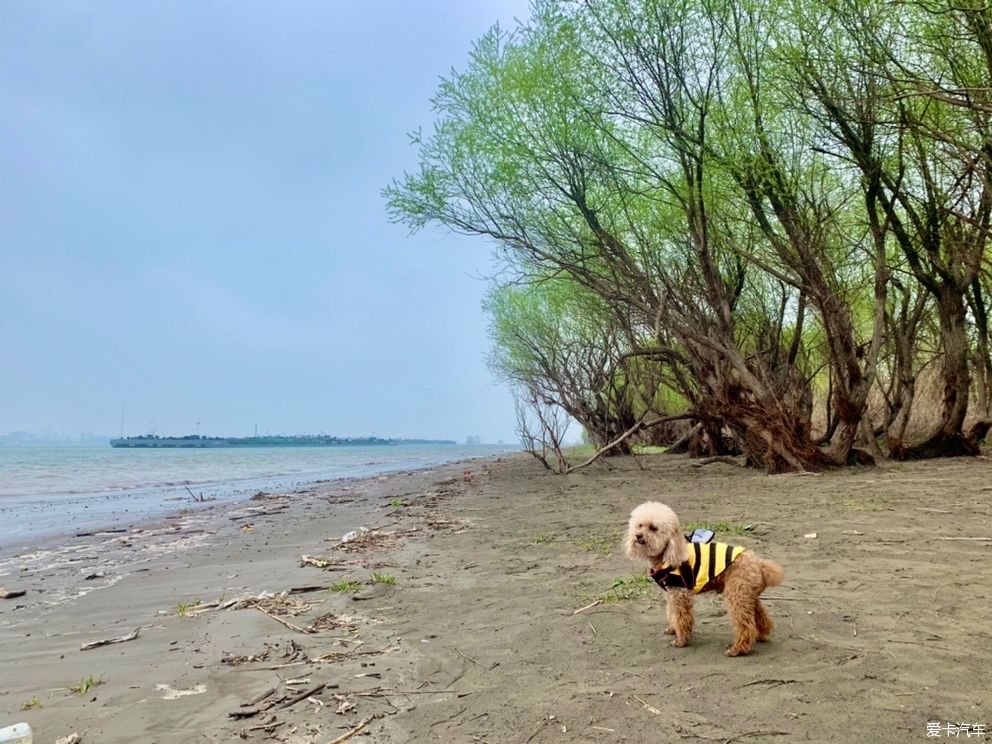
{"points": [[195, 441]]}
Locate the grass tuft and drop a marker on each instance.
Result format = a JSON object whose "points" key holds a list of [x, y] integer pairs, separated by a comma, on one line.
{"points": [[346, 586], [86, 684], [632, 587], [380, 578], [184, 609], [604, 544], [32, 704]]}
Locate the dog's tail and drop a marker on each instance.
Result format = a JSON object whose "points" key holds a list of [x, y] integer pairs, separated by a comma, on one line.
{"points": [[772, 573]]}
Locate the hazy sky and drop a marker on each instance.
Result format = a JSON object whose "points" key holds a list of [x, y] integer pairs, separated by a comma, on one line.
{"points": [[191, 221]]}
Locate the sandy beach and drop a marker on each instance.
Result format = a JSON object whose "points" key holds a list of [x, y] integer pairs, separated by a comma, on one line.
{"points": [[457, 616]]}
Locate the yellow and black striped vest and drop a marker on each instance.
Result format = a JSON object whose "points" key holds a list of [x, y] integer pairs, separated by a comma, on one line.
{"points": [[706, 562]]}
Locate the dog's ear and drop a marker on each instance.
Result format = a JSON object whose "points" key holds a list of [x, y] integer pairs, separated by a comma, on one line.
{"points": [[629, 543], [676, 553]]}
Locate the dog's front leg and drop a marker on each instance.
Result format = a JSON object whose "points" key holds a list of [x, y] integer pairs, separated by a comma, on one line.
{"points": [[669, 615], [679, 611]]}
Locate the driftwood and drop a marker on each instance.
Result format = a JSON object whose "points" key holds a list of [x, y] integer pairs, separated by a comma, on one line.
{"points": [[278, 619], [327, 564], [718, 458], [122, 639], [641, 424], [259, 698], [348, 734], [302, 696], [258, 513], [12, 593], [100, 532]]}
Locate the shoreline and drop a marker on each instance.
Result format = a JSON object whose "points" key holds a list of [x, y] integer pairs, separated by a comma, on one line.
{"points": [[158, 502], [492, 603]]}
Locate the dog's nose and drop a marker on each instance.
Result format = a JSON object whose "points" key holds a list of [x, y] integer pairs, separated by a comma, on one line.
{"points": [[640, 538]]}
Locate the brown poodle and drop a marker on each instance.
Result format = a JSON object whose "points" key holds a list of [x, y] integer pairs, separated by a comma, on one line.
{"points": [[682, 569]]}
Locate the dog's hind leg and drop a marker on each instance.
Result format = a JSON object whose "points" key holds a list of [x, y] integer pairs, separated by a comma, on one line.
{"points": [[680, 615], [763, 621], [741, 609]]}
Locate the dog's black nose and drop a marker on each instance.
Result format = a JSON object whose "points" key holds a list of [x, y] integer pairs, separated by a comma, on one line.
{"points": [[640, 538]]}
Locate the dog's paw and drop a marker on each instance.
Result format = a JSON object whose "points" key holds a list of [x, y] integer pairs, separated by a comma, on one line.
{"points": [[680, 642], [669, 631], [735, 651]]}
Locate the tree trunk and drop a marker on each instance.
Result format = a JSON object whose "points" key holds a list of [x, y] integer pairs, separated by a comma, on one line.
{"points": [[948, 440]]}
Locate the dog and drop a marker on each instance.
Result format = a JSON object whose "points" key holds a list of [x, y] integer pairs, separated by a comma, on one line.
{"points": [[682, 569]]}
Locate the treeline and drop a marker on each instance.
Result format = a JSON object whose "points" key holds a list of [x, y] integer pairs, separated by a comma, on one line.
{"points": [[765, 217]]}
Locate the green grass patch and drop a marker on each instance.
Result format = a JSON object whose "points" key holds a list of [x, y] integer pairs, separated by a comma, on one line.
{"points": [[865, 506], [579, 451], [604, 544], [397, 503], [32, 704], [649, 449], [346, 586], [632, 587], [87, 684], [380, 578], [725, 527], [541, 539]]}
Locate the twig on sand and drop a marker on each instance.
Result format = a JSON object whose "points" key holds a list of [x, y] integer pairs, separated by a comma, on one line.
{"points": [[646, 705], [660, 687], [278, 619], [267, 727], [193, 496], [12, 593], [305, 589], [122, 639], [588, 606], [822, 643], [755, 733], [348, 734], [303, 696], [978, 539], [475, 661], [771, 682], [259, 698], [718, 458]]}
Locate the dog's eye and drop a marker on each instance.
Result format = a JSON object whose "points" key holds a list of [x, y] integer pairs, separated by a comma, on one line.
{"points": [[653, 528]]}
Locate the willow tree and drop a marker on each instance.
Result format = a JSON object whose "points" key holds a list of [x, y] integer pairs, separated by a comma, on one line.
{"points": [[563, 346], [759, 195], [901, 91]]}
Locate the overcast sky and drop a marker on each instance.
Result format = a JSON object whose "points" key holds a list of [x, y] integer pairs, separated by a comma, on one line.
{"points": [[191, 222]]}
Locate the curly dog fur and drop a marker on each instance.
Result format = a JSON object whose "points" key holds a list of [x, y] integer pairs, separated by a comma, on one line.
{"points": [[655, 536]]}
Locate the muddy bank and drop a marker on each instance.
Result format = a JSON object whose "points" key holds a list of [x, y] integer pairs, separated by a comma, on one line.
{"points": [[455, 616]]}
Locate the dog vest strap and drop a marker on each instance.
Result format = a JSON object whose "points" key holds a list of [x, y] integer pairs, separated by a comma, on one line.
{"points": [[667, 578], [705, 562]]}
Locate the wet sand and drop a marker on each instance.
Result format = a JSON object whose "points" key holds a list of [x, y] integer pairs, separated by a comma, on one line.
{"points": [[883, 623]]}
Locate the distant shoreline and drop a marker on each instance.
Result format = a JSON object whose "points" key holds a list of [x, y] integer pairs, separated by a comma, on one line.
{"points": [[195, 441], [33, 518]]}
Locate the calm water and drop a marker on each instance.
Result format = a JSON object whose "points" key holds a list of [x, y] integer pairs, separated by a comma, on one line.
{"points": [[50, 490]]}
